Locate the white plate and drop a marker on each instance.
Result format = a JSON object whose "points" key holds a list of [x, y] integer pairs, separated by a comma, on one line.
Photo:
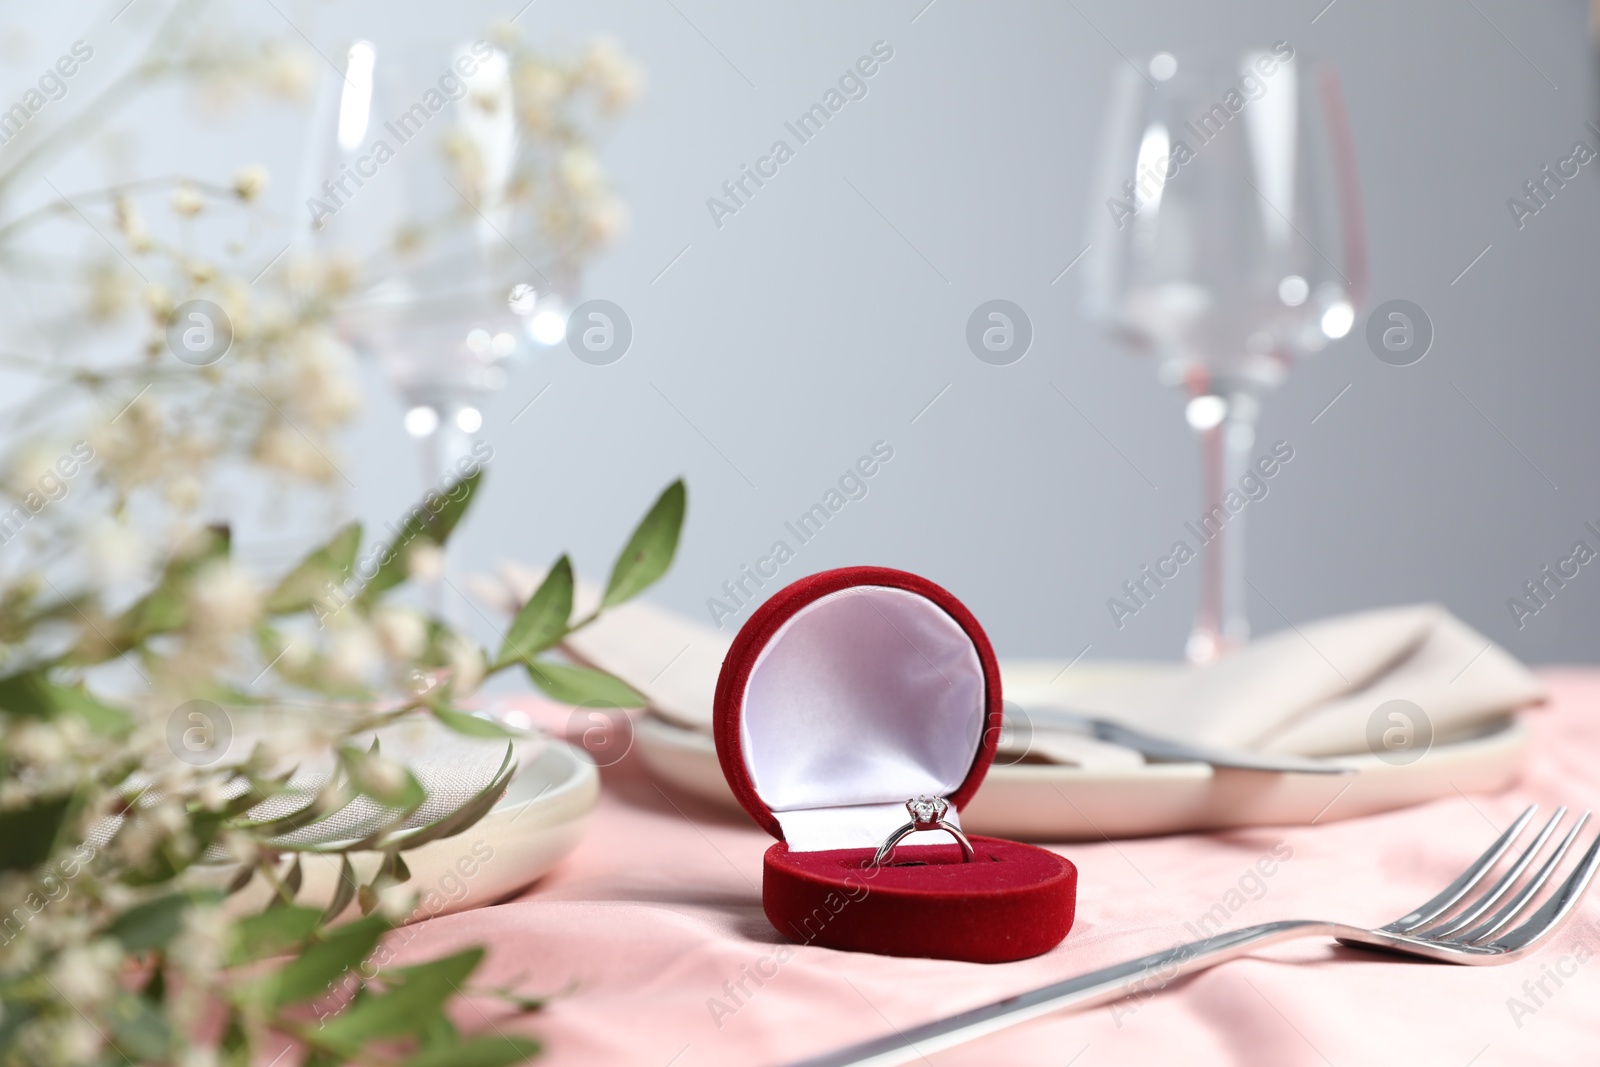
{"points": [[541, 818], [1048, 802]]}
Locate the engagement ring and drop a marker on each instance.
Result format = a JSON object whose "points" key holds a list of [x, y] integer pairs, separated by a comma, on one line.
{"points": [[927, 813]]}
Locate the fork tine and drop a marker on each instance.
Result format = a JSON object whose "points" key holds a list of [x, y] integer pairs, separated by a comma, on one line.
{"points": [[1467, 879], [1554, 911], [1527, 892], [1501, 887]]}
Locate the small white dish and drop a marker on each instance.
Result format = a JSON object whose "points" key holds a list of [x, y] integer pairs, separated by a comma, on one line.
{"points": [[541, 818]]}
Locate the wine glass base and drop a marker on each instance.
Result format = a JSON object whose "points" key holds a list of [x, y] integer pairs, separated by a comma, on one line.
{"points": [[1202, 648], [1206, 646]]}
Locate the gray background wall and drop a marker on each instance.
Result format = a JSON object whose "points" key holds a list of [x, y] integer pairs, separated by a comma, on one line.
{"points": [[829, 312]]}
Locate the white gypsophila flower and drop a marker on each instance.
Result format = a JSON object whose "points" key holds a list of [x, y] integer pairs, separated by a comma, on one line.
{"points": [[157, 298], [538, 85], [30, 462], [197, 1056], [198, 946], [38, 742], [580, 170], [402, 632], [325, 387], [251, 181], [297, 656], [213, 793], [384, 774], [187, 201], [109, 291], [116, 552], [19, 954], [183, 492], [225, 598], [286, 70], [199, 271], [237, 300], [130, 220], [282, 446], [290, 741], [617, 77], [240, 847], [396, 902], [74, 1040], [424, 561], [503, 32], [84, 975], [167, 816], [605, 218], [353, 654]]}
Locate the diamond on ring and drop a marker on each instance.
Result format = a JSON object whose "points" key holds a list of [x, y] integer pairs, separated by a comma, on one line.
{"points": [[927, 813]]}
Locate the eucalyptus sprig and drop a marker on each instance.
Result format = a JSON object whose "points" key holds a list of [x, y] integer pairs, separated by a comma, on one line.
{"points": [[119, 607], [140, 918]]}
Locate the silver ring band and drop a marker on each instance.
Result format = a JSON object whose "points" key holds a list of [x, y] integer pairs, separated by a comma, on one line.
{"points": [[927, 813]]}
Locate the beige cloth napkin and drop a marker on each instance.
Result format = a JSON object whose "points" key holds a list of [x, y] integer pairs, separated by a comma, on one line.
{"points": [[1312, 690], [1309, 689]]}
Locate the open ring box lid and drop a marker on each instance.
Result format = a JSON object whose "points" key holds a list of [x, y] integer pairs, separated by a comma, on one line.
{"points": [[843, 696]]}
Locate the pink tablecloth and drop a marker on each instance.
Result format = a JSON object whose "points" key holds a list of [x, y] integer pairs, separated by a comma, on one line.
{"points": [[647, 932]]}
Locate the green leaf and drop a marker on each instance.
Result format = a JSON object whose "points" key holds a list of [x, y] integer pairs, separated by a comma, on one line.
{"points": [[235, 1042], [365, 775], [543, 619], [649, 551], [165, 608], [580, 685], [474, 726], [155, 990], [312, 811], [139, 1030], [29, 835], [152, 924], [32, 694], [441, 1033], [290, 887], [305, 584], [421, 521], [246, 874], [467, 814], [391, 871], [272, 933], [19, 1013], [319, 965], [344, 891], [496, 1051], [415, 998]]}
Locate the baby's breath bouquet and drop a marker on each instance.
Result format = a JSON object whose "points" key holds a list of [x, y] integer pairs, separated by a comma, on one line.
{"points": [[124, 600]]}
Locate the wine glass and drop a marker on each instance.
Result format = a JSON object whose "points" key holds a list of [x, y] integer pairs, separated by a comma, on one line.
{"points": [[408, 182], [1225, 238], [413, 148]]}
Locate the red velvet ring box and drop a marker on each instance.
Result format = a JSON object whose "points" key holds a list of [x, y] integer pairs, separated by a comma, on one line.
{"points": [[843, 696]]}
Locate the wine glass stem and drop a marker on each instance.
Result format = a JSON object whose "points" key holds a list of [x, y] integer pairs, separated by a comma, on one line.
{"points": [[1237, 438], [1220, 621]]}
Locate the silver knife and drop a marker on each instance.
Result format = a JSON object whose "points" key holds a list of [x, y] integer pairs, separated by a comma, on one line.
{"points": [[1162, 748]]}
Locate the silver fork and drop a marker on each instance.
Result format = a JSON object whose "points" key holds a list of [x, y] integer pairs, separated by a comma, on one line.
{"points": [[1443, 929]]}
